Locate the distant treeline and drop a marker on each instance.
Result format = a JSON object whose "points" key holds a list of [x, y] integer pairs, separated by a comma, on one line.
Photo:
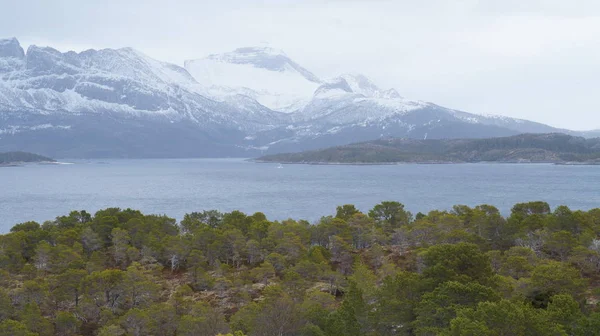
{"points": [[466, 272], [16, 157], [556, 148]]}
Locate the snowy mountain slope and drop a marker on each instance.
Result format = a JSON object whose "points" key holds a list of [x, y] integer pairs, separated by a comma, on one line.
{"points": [[352, 108], [122, 103], [324, 107], [352, 99], [119, 81], [342, 125], [362, 85], [264, 74], [54, 94], [12, 56], [116, 80]]}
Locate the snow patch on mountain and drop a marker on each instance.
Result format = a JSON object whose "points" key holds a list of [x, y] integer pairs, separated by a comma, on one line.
{"points": [[14, 129], [11, 48], [264, 74], [11, 55], [355, 100], [333, 88], [362, 85]]}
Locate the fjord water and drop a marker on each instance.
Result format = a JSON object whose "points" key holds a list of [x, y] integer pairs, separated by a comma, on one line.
{"points": [[176, 187]]}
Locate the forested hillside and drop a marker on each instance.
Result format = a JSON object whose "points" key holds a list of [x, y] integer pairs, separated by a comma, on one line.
{"points": [[558, 148], [469, 271], [16, 157]]}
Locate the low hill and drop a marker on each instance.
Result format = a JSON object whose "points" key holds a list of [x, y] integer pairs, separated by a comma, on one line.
{"points": [[535, 148], [22, 157]]}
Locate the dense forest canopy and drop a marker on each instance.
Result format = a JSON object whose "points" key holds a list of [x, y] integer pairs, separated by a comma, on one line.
{"points": [[519, 148], [469, 271], [16, 157]]}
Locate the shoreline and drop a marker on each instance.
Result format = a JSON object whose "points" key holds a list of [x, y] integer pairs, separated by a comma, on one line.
{"points": [[25, 163], [318, 163]]}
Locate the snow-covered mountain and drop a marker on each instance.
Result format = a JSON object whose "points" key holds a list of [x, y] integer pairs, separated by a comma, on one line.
{"points": [[98, 96], [267, 75], [122, 103], [117, 81]]}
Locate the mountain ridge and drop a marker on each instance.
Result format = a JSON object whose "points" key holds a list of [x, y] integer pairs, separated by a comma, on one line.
{"points": [[123, 103]]}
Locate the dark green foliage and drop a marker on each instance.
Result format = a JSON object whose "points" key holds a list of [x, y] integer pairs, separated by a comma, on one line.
{"points": [[588, 325], [396, 303], [436, 309], [346, 211], [6, 308], [18, 157], [504, 318], [195, 220], [351, 318], [390, 215], [524, 147], [66, 324], [469, 271], [14, 328], [456, 262]]}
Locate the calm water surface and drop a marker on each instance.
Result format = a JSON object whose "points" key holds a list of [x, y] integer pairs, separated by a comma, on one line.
{"points": [[176, 187]]}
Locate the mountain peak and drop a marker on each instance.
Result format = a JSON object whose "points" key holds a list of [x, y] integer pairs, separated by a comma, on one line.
{"points": [[391, 94], [355, 83], [361, 84], [264, 50], [36, 48], [10, 40], [335, 87], [249, 54], [11, 48], [263, 58], [265, 74]]}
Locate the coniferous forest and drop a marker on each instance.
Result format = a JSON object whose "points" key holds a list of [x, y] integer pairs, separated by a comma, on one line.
{"points": [[464, 272]]}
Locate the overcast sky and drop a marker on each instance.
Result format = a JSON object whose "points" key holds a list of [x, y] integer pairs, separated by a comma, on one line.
{"points": [[532, 59]]}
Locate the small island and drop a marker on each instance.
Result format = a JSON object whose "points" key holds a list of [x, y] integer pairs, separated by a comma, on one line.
{"points": [[19, 158], [525, 148]]}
